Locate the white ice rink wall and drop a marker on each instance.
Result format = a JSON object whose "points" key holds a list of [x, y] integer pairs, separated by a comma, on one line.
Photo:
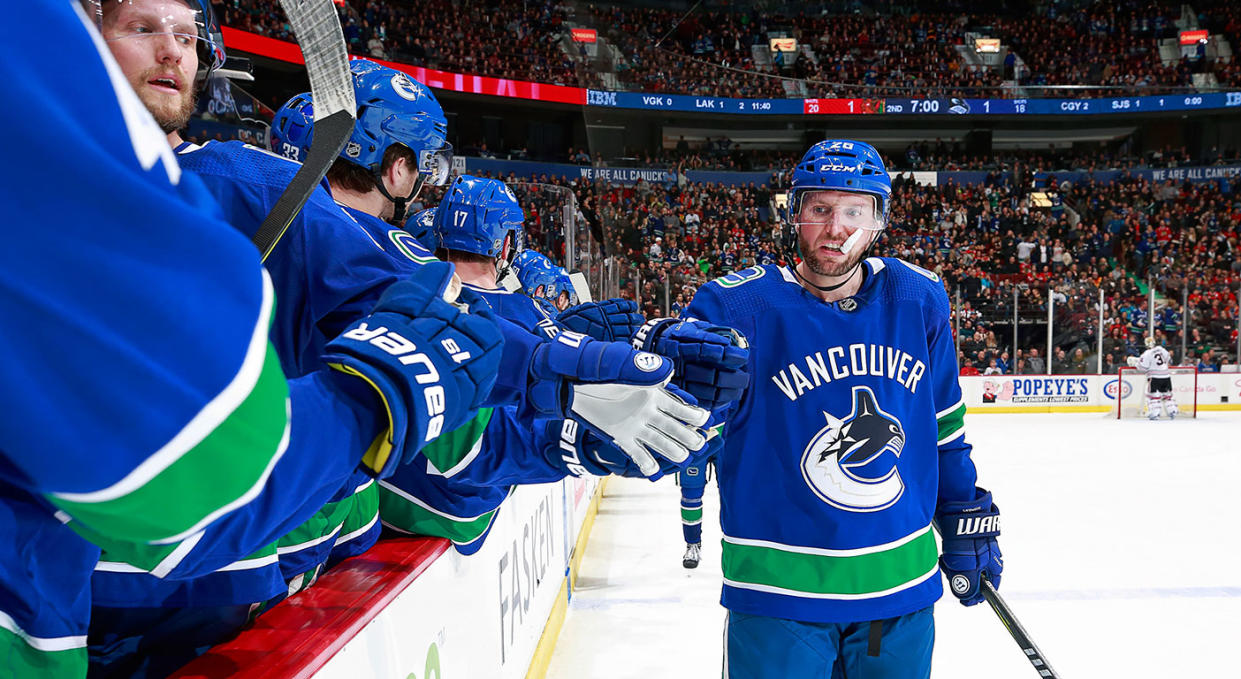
{"points": [[481, 616], [1083, 393]]}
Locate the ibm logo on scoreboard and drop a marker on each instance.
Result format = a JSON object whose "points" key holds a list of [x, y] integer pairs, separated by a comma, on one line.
{"points": [[597, 98]]}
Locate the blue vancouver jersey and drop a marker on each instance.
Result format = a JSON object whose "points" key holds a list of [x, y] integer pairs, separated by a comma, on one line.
{"points": [[327, 272], [142, 401], [460, 480], [850, 433]]}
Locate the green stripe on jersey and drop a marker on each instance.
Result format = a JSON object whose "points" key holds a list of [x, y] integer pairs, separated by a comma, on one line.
{"points": [[365, 512], [404, 512], [25, 657], [451, 449], [217, 462], [951, 422], [830, 574]]}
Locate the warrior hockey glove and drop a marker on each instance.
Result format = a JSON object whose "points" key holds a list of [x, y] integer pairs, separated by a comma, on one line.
{"points": [[611, 320], [622, 395], [710, 360], [968, 530], [431, 364]]}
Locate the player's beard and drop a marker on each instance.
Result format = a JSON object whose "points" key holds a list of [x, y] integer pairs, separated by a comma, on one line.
{"points": [[821, 265], [170, 116]]}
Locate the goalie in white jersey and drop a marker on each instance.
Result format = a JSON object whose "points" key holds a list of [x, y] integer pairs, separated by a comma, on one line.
{"points": [[1155, 362]]}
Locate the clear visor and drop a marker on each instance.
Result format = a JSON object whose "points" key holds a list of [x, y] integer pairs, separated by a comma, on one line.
{"points": [[436, 164], [853, 212], [177, 24]]}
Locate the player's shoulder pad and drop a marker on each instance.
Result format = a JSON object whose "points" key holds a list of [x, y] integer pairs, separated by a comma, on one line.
{"points": [[904, 281], [240, 161], [739, 294]]}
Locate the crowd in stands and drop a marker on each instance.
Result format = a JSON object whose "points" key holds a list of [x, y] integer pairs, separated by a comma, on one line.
{"points": [[994, 251], [1111, 44]]}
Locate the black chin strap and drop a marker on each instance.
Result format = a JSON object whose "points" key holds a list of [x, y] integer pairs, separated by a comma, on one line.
{"points": [[857, 267], [399, 204], [828, 288]]}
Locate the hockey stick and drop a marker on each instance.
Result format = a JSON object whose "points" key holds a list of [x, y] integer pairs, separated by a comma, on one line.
{"points": [[327, 63], [1005, 614]]}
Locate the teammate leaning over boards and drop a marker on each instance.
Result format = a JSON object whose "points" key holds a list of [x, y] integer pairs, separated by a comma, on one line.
{"points": [[148, 331], [1155, 363], [476, 227], [847, 446]]}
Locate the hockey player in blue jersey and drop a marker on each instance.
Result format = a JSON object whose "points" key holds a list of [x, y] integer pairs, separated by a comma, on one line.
{"points": [[846, 448], [693, 481], [168, 309]]}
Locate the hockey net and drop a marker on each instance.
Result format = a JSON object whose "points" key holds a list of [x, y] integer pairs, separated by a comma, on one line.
{"points": [[1131, 391]]}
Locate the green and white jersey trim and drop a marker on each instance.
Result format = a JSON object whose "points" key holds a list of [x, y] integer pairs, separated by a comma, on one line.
{"points": [[839, 574], [951, 423], [453, 451], [43, 644], [181, 488], [407, 514], [23, 656]]}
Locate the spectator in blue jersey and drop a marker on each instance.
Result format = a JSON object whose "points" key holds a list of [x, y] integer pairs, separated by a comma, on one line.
{"points": [[832, 471]]}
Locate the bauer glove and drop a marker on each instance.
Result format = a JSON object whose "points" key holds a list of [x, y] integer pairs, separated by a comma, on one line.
{"points": [[431, 363]]}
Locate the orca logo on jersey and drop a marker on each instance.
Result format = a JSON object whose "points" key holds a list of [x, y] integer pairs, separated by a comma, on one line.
{"points": [[839, 464]]}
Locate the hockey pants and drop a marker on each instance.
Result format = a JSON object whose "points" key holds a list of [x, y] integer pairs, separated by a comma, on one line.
{"points": [[758, 647]]}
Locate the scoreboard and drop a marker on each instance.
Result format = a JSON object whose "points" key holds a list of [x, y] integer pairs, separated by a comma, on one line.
{"points": [[889, 106]]}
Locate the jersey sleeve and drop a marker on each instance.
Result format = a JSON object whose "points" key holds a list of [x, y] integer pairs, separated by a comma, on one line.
{"points": [[957, 475], [141, 396]]}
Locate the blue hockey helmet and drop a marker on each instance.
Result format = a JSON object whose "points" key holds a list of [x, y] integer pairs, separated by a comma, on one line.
{"points": [[564, 285], [536, 273], [197, 24], [481, 216], [422, 227], [396, 109], [292, 126], [841, 165]]}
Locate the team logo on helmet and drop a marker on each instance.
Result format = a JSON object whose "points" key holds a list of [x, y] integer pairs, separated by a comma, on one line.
{"points": [[353, 149], [405, 87], [846, 464]]}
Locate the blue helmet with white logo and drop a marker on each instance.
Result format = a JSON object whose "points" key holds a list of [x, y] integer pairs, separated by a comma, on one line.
{"points": [[536, 273], [292, 126], [564, 284], [422, 227], [481, 216], [841, 165], [396, 109]]}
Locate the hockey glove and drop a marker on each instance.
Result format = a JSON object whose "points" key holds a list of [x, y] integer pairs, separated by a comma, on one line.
{"points": [[1133, 361], [431, 364], [969, 531], [709, 360], [611, 320], [620, 394]]}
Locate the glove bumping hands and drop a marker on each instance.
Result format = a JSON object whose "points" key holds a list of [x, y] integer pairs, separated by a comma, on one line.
{"points": [[431, 363]]}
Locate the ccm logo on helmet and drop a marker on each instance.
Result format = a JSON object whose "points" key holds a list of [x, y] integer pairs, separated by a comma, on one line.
{"points": [[838, 167], [396, 345]]}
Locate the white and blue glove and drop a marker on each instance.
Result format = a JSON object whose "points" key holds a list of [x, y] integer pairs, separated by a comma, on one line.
{"points": [[710, 360], [622, 395], [610, 320], [971, 553], [432, 364]]}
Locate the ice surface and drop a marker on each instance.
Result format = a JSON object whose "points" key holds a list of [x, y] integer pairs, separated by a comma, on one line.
{"points": [[1120, 547]]}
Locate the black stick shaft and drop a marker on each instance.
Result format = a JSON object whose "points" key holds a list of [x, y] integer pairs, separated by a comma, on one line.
{"points": [[1027, 645]]}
